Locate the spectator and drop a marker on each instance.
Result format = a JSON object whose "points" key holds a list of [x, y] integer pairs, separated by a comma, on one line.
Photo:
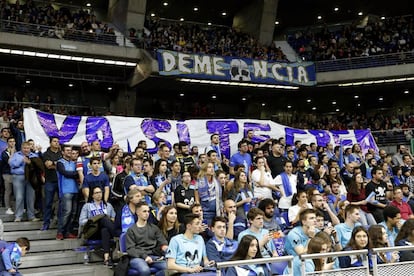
{"points": [[145, 244], [187, 252], [219, 247], [249, 248]]}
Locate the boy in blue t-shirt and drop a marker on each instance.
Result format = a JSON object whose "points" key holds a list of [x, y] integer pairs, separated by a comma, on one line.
{"points": [[187, 252], [11, 254]]}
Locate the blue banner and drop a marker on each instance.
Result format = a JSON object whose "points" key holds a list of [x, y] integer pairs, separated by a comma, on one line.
{"points": [[208, 67]]}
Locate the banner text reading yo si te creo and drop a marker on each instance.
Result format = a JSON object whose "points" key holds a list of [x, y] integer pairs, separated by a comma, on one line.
{"points": [[127, 131]]}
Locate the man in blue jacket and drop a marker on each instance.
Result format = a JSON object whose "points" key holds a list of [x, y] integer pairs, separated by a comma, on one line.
{"points": [[68, 193]]}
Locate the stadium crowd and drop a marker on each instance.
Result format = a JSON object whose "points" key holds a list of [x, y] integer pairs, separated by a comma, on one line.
{"points": [[186, 208], [375, 37], [196, 38], [43, 19]]}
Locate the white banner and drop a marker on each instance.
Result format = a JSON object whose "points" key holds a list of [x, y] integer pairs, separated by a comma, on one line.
{"points": [[127, 131]]}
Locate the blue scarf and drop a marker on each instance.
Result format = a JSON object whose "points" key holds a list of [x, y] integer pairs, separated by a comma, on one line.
{"points": [[286, 184]]}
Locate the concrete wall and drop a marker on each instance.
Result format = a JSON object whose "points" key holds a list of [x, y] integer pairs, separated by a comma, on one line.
{"points": [[127, 14], [49, 45]]}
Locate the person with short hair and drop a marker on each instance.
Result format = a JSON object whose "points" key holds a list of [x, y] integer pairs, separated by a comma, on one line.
{"points": [[344, 230], [219, 247], [187, 252], [11, 256], [297, 240], [392, 223], [96, 178], [265, 238], [405, 209], [145, 244]]}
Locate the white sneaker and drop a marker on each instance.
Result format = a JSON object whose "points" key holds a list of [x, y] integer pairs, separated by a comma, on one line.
{"points": [[9, 212]]}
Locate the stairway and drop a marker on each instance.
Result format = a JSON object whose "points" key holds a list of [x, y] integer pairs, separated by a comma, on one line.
{"points": [[48, 256], [287, 50]]}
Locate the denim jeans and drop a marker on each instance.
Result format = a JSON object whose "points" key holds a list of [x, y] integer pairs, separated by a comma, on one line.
{"points": [[67, 212], [51, 188], [23, 191], [8, 189], [143, 267]]}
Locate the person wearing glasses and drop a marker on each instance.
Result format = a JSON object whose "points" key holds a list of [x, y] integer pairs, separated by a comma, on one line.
{"points": [[99, 210]]}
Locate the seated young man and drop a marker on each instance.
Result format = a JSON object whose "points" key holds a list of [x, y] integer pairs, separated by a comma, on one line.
{"points": [[145, 244], [187, 252], [219, 247]]}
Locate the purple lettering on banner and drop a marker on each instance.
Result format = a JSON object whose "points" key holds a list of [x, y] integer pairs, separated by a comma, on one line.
{"points": [[66, 132], [223, 129], [96, 124], [365, 140], [183, 133], [322, 137], [255, 126], [151, 127], [290, 134], [337, 138]]}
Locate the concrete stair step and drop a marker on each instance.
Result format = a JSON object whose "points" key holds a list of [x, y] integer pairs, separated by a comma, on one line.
{"points": [[6, 218], [54, 245], [24, 225], [76, 269], [43, 259], [32, 235]]}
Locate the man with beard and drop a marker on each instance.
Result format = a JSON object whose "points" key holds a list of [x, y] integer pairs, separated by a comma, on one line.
{"points": [[185, 158], [379, 189], [397, 159], [143, 145], [270, 220]]}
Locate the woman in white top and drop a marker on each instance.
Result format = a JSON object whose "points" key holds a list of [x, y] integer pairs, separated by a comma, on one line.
{"points": [[299, 203], [287, 183], [263, 182]]}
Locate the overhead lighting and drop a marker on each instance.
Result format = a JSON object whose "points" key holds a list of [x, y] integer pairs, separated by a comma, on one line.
{"points": [[243, 99], [28, 81], [263, 104], [406, 92], [276, 22], [181, 94], [319, 17], [359, 105], [380, 99], [181, 19], [70, 84], [109, 88], [356, 96], [337, 110], [152, 14], [195, 9], [165, 3], [289, 106], [233, 83], [16, 52], [336, 9], [214, 97], [360, 13], [314, 108], [333, 102], [376, 81], [209, 23], [88, 4], [66, 57], [308, 100], [223, 13], [382, 17], [43, 55]]}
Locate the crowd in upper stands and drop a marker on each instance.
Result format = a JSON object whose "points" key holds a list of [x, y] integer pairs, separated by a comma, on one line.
{"points": [[375, 37], [197, 38], [45, 20], [181, 203]]}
